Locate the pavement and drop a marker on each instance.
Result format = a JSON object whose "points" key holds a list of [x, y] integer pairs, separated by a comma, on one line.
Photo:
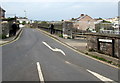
{"points": [[35, 56], [80, 44], [7, 40]]}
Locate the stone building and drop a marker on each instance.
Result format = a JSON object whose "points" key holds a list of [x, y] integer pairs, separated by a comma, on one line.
{"points": [[2, 13]]}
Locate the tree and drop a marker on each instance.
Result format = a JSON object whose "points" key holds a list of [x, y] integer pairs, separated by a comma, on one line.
{"points": [[43, 22], [100, 18], [24, 22]]}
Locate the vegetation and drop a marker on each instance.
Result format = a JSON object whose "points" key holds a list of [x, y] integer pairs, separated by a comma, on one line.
{"points": [[104, 21], [24, 22], [100, 18], [99, 58], [43, 22], [2, 36], [61, 35], [91, 50]]}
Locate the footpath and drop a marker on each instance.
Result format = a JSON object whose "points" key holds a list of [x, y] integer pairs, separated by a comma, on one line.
{"points": [[10, 39], [80, 44]]}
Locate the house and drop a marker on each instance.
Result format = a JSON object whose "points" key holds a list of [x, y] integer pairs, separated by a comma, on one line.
{"points": [[84, 23], [110, 25], [103, 26], [2, 13], [23, 20], [116, 24]]}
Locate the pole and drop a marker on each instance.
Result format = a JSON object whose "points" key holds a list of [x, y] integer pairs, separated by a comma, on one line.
{"points": [[25, 14]]}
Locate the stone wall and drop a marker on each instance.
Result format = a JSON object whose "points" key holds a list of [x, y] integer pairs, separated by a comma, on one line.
{"points": [[5, 28], [105, 47], [67, 29]]}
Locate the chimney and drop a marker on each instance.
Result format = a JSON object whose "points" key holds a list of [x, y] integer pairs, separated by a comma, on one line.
{"points": [[82, 14]]}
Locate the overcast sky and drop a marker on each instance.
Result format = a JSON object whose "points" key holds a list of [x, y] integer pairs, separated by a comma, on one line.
{"points": [[60, 9]]}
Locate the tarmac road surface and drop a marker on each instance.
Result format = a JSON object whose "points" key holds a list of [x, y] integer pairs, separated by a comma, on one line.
{"points": [[37, 57]]}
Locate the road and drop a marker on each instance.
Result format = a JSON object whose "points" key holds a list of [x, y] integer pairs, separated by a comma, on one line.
{"points": [[58, 62]]}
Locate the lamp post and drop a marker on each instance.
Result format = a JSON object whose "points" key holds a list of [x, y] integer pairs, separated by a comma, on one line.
{"points": [[25, 13]]}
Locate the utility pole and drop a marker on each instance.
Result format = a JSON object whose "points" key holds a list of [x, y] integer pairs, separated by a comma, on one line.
{"points": [[25, 13]]}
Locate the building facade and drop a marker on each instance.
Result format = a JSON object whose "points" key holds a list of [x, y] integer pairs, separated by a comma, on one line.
{"points": [[84, 23], [2, 13]]}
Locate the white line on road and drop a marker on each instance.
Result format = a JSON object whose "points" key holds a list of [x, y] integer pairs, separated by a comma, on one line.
{"points": [[41, 78], [102, 78], [55, 50], [67, 62]]}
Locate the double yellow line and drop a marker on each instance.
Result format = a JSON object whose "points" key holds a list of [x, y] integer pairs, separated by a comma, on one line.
{"points": [[13, 40]]}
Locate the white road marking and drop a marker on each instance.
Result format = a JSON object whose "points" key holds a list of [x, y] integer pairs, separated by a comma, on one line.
{"points": [[48, 35], [102, 78], [67, 62], [41, 78], [55, 50]]}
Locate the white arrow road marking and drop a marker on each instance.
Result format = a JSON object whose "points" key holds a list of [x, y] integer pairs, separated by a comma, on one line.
{"points": [[55, 50], [40, 73], [102, 78]]}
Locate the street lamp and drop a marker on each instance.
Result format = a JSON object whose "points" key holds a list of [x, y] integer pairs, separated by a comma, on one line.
{"points": [[25, 13]]}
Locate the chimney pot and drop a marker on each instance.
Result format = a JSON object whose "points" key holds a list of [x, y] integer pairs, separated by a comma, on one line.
{"points": [[82, 14]]}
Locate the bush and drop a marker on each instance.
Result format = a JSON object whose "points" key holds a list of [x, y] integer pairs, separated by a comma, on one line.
{"points": [[91, 50], [2, 36], [69, 37], [110, 62], [24, 22], [61, 35]]}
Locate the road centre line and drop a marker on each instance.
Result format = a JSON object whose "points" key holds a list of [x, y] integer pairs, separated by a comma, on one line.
{"points": [[55, 50], [102, 78], [97, 75], [41, 78], [45, 33]]}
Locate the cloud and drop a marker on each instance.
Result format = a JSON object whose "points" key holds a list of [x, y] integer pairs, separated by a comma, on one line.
{"points": [[60, 1]]}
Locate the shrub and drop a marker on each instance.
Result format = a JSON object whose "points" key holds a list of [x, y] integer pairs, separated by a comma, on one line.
{"points": [[91, 50], [61, 35], [2, 36]]}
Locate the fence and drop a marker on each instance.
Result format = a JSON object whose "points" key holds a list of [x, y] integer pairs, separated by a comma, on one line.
{"points": [[110, 32]]}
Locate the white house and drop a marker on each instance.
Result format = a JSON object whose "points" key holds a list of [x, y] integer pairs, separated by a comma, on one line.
{"points": [[116, 24], [21, 20]]}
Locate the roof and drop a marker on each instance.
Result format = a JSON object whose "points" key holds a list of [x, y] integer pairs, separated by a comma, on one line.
{"points": [[81, 17]]}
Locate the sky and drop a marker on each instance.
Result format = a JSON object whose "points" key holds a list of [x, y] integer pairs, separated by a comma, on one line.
{"points": [[54, 10]]}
